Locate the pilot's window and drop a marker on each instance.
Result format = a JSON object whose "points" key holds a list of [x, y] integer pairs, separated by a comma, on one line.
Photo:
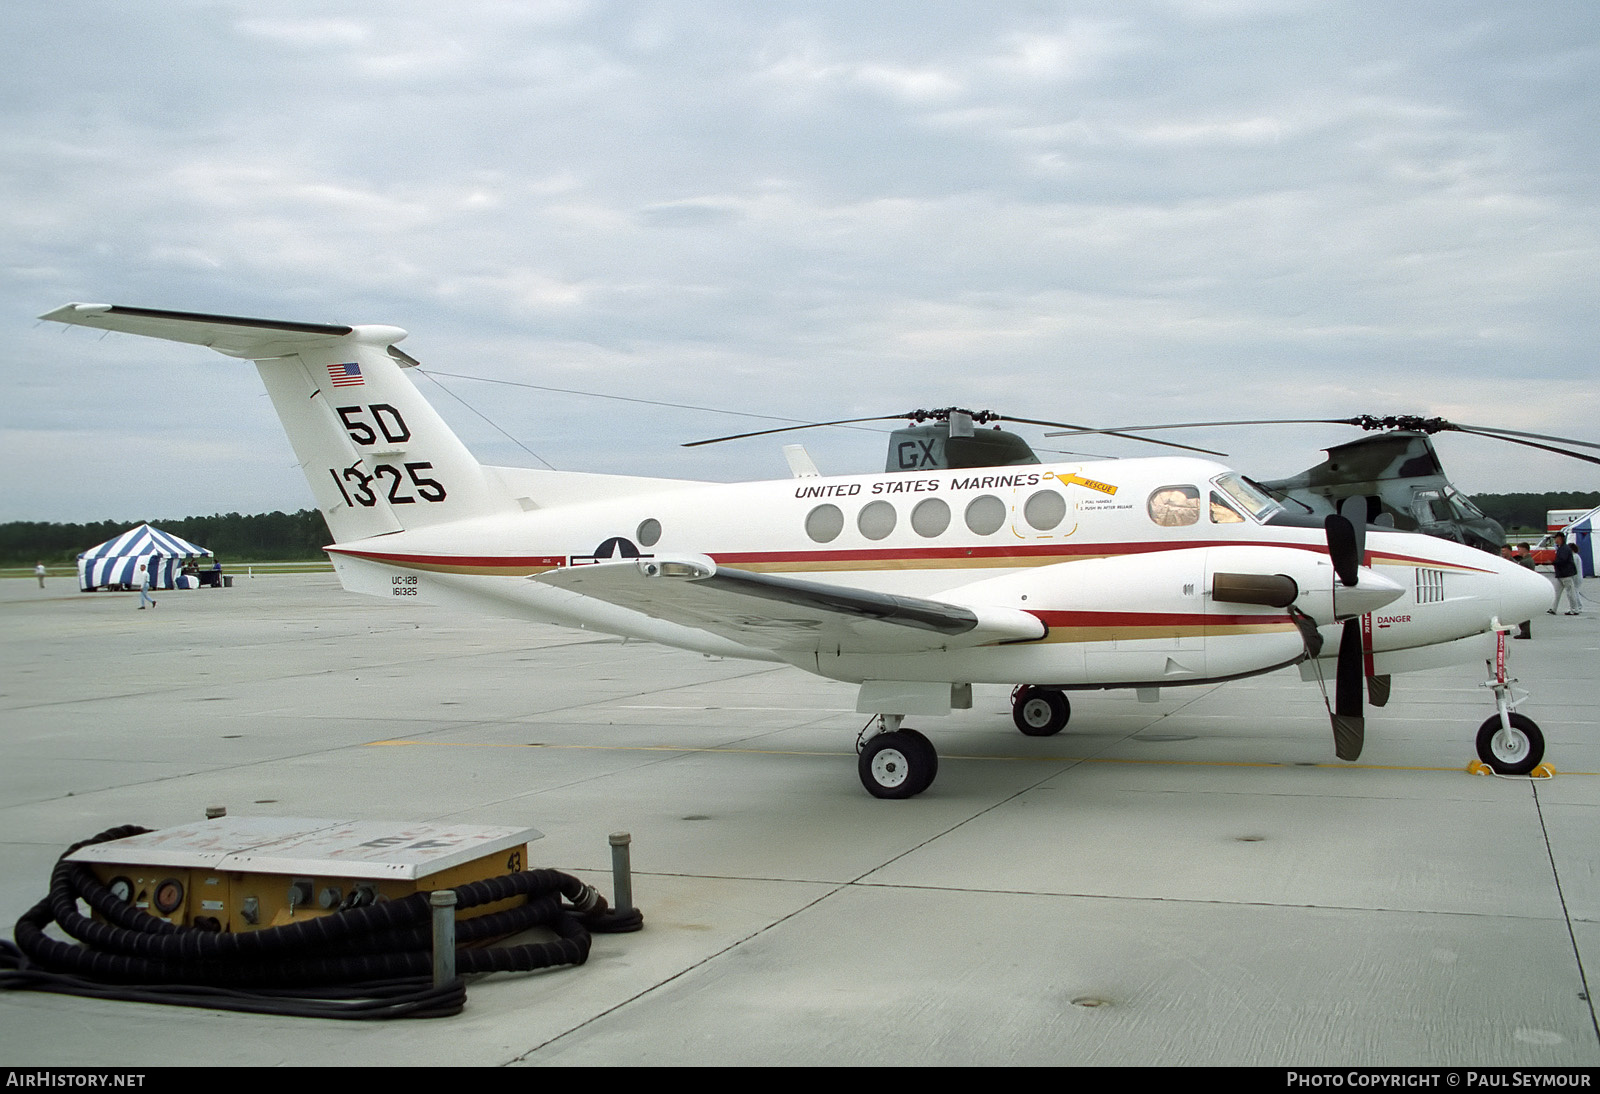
{"points": [[876, 519], [649, 532], [1045, 509], [930, 517], [1431, 506], [1174, 506], [1245, 497], [1222, 512], [985, 514], [1463, 506], [824, 523]]}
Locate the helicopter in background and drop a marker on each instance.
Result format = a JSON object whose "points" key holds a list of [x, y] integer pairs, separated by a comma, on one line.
{"points": [[1399, 476], [1397, 473]]}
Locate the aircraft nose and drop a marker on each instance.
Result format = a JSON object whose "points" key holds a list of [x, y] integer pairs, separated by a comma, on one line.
{"points": [[1522, 593]]}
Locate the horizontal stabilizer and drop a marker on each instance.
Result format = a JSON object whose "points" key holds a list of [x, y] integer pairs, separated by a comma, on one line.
{"points": [[236, 336], [377, 456]]}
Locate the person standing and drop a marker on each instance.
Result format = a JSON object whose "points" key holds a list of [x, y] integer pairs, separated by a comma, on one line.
{"points": [[1566, 567], [38, 572]]}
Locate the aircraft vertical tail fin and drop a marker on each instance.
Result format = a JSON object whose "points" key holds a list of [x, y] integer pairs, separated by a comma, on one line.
{"points": [[376, 454]]}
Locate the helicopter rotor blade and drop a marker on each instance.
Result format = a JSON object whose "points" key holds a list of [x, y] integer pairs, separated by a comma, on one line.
{"points": [[1369, 422], [1500, 436], [1075, 430], [1202, 425], [1493, 431], [980, 417], [792, 428]]}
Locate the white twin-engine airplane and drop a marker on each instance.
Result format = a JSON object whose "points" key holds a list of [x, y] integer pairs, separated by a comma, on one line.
{"points": [[1139, 573]]}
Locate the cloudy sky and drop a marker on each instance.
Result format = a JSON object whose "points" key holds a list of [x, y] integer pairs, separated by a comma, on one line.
{"points": [[1108, 212]]}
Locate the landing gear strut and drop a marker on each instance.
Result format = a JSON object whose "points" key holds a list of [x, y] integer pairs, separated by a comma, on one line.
{"points": [[1040, 712], [895, 762], [1509, 743]]}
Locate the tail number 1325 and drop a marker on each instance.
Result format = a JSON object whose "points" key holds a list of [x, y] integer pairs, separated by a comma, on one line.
{"points": [[399, 487]]}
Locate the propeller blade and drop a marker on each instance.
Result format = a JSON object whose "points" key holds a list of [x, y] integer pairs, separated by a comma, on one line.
{"points": [[1378, 690], [1343, 547], [1349, 724], [1354, 510], [1308, 632]]}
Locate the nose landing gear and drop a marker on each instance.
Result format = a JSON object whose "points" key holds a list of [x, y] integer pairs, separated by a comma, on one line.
{"points": [[1509, 743]]}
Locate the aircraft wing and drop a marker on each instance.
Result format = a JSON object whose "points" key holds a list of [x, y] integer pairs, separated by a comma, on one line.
{"points": [[790, 615]]}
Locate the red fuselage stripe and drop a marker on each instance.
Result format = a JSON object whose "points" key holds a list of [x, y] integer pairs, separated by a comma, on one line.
{"points": [[954, 555]]}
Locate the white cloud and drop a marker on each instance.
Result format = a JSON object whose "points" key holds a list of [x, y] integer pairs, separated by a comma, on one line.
{"points": [[309, 33], [1162, 210]]}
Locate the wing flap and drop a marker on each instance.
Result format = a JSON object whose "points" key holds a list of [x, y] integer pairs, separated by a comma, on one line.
{"points": [[790, 615]]}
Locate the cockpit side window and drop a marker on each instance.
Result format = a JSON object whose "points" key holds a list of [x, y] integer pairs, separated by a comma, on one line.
{"points": [[1174, 506], [1222, 512], [1430, 507], [1244, 497], [1463, 506]]}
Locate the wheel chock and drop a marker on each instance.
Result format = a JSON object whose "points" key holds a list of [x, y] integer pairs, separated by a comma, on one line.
{"points": [[1543, 771]]}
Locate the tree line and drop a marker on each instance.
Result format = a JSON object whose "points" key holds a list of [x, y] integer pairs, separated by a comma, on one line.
{"points": [[259, 537]]}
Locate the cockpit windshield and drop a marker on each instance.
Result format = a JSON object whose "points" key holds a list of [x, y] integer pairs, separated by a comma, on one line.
{"points": [[1251, 500], [1464, 508]]}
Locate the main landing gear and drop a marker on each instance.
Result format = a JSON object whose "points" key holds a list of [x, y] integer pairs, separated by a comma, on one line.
{"points": [[1040, 711], [901, 763], [895, 762], [1509, 743]]}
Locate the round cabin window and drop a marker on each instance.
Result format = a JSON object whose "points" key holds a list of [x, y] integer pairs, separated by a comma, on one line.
{"points": [[985, 514], [824, 523], [931, 517], [1045, 509], [876, 519]]}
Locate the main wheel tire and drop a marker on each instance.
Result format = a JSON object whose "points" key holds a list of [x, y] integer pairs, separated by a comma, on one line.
{"points": [[901, 764], [1516, 754], [1041, 712], [930, 766]]}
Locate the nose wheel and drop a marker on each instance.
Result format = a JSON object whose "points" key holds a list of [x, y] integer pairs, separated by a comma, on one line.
{"points": [[1040, 712], [1513, 751]]}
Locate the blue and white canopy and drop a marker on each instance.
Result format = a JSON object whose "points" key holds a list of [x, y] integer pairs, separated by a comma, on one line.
{"points": [[117, 561]]}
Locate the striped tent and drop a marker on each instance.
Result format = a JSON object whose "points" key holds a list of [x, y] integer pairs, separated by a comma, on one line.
{"points": [[117, 561]]}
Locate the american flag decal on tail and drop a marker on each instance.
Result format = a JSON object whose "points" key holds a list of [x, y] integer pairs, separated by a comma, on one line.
{"points": [[346, 375]]}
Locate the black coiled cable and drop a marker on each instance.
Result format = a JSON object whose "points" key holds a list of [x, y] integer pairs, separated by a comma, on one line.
{"points": [[369, 962]]}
